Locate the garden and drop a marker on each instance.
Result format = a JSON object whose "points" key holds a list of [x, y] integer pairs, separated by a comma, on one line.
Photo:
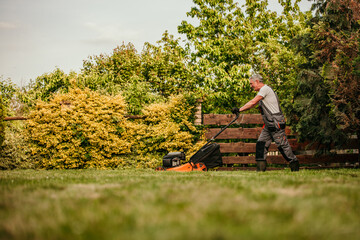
{"points": [[80, 164]]}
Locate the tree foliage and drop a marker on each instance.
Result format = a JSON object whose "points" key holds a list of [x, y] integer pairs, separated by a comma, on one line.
{"points": [[231, 41], [327, 103], [8, 91], [45, 86], [119, 72], [109, 72], [338, 45], [158, 72], [213, 62]]}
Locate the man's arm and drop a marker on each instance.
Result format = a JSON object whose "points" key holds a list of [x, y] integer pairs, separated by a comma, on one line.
{"points": [[251, 103]]}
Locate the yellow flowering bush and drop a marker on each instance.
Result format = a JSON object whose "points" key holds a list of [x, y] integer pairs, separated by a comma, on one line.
{"points": [[84, 129], [79, 129], [167, 127]]}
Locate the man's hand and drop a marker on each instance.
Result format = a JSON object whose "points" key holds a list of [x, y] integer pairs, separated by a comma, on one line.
{"points": [[235, 110]]}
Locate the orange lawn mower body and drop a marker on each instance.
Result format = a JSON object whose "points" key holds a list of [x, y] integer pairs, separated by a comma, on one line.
{"points": [[208, 156], [187, 167]]}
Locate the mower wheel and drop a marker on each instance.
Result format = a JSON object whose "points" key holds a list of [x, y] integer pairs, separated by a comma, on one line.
{"points": [[160, 169], [200, 167]]}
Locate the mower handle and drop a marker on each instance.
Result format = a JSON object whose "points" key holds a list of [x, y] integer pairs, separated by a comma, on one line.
{"points": [[213, 138]]}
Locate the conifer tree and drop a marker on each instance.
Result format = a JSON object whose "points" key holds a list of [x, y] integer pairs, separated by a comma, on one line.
{"points": [[327, 107]]}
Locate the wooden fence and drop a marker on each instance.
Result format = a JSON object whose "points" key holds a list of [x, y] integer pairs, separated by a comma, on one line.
{"points": [[243, 134]]}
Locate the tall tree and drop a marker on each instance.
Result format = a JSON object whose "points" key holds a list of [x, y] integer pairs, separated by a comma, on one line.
{"points": [[229, 41], [338, 43], [44, 86], [165, 67], [329, 82]]}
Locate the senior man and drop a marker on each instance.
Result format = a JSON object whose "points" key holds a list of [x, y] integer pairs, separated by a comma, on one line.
{"points": [[274, 124]]}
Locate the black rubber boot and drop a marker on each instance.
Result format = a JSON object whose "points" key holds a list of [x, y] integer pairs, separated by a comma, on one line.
{"points": [[261, 165], [294, 165]]}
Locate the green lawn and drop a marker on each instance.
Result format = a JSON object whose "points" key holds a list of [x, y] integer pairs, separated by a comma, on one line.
{"points": [[144, 204]]}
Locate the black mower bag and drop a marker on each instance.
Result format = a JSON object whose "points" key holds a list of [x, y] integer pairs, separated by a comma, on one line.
{"points": [[209, 155]]}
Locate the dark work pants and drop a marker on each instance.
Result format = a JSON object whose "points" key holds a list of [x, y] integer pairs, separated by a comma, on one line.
{"points": [[280, 139]]}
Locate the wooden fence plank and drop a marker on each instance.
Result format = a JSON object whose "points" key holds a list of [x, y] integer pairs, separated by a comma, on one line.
{"points": [[277, 168], [277, 159], [234, 133], [224, 119], [246, 168], [14, 118], [303, 159], [350, 144], [238, 133], [237, 147], [241, 147], [24, 118]]}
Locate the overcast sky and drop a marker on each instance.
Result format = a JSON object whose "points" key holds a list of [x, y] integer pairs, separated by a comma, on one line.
{"points": [[36, 36]]}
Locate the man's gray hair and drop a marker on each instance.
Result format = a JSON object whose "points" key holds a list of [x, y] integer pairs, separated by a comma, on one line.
{"points": [[256, 76]]}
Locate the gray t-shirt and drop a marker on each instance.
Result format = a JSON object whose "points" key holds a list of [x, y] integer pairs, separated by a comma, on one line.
{"points": [[270, 99]]}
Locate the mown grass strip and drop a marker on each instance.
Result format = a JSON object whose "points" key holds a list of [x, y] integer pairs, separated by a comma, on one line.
{"points": [[144, 204]]}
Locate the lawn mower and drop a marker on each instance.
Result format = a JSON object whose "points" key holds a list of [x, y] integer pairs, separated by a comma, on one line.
{"points": [[208, 156]]}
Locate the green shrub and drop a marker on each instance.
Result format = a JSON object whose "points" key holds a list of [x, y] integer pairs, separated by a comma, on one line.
{"points": [[2, 124], [79, 129], [7, 92], [14, 152], [84, 129], [167, 127]]}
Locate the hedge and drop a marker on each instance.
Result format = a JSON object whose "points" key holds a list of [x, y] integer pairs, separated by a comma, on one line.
{"points": [[84, 129]]}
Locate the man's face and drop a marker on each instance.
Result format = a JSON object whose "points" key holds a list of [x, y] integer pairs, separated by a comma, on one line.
{"points": [[255, 85]]}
